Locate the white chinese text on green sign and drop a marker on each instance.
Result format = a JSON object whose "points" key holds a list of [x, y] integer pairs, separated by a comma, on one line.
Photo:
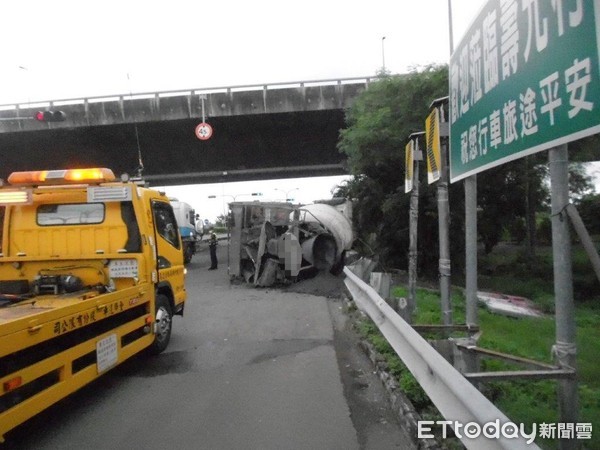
{"points": [[524, 78]]}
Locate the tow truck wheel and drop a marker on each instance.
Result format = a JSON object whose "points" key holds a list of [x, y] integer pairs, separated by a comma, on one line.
{"points": [[164, 324]]}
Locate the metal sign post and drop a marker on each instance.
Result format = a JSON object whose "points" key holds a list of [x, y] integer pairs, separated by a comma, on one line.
{"points": [[203, 130], [471, 250], [472, 319], [413, 156], [437, 167], [565, 350]]}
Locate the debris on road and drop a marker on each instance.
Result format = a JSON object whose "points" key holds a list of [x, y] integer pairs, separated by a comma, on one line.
{"points": [[508, 305]]}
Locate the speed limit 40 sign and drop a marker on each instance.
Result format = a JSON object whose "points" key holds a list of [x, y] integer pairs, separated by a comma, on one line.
{"points": [[204, 131]]}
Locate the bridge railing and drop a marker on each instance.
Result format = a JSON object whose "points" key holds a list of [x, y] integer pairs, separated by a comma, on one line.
{"points": [[454, 396], [183, 92]]}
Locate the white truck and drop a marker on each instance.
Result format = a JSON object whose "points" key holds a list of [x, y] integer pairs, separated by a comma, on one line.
{"points": [[190, 226]]}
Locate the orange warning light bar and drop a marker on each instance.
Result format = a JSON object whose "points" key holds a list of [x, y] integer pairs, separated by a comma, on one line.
{"points": [[94, 175]]}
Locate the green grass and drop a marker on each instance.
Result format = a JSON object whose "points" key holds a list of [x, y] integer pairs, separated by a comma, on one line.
{"points": [[508, 270], [523, 401]]}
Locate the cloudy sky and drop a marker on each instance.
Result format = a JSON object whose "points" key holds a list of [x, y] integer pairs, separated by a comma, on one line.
{"points": [[64, 49]]}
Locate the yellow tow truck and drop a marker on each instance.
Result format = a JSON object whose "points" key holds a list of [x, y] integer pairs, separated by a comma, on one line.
{"points": [[91, 273]]}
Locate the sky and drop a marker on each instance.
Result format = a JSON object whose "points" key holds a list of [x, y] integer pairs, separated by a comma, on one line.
{"points": [[297, 190], [65, 49]]}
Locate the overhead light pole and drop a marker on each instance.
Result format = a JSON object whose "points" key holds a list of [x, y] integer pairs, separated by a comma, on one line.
{"points": [[383, 53], [233, 197], [27, 84], [287, 193], [253, 194]]}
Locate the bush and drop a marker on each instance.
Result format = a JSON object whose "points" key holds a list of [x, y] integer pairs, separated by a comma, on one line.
{"points": [[517, 230]]}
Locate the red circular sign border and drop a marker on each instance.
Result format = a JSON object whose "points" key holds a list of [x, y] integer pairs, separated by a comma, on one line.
{"points": [[203, 138]]}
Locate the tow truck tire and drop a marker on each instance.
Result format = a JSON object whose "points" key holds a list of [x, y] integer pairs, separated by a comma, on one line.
{"points": [[164, 324]]}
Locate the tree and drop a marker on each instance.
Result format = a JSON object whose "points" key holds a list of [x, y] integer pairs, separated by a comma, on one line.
{"points": [[508, 197], [589, 210], [379, 124], [221, 220], [580, 183]]}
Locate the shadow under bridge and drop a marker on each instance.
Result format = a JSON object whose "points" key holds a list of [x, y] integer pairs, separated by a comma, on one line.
{"points": [[262, 133]]}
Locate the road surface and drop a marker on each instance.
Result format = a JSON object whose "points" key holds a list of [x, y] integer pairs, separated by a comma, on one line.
{"points": [[246, 369]]}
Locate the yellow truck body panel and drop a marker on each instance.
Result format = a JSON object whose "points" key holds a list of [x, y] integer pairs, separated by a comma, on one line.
{"points": [[91, 273]]}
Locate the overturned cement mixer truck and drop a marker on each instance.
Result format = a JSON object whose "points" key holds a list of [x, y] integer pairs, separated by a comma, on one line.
{"points": [[273, 242]]}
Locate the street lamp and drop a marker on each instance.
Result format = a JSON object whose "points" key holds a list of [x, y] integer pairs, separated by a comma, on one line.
{"points": [[27, 84], [234, 197], [253, 194], [287, 193], [383, 53]]}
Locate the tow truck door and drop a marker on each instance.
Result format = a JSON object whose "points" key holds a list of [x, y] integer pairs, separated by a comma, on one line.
{"points": [[169, 255]]}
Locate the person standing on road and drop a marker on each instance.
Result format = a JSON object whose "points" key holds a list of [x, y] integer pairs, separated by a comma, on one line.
{"points": [[212, 246]]}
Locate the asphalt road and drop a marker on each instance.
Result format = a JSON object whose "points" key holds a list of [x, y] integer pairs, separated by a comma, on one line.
{"points": [[246, 369]]}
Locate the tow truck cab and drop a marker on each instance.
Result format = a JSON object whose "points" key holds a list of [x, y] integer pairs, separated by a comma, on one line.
{"points": [[91, 273]]}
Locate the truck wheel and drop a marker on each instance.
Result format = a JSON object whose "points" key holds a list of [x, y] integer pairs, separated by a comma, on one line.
{"points": [[164, 324]]}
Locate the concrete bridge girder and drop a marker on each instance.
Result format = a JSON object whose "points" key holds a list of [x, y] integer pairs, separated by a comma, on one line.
{"points": [[124, 109], [260, 133]]}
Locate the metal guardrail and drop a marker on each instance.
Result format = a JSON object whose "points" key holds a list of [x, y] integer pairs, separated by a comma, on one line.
{"points": [[454, 396], [173, 93]]}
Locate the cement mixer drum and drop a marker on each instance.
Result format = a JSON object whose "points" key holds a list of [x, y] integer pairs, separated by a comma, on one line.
{"points": [[333, 221]]}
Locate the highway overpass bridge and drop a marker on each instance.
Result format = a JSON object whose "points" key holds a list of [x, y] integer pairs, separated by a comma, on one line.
{"points": [[260, 132]]}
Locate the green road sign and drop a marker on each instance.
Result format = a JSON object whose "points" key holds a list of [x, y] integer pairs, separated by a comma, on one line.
{"points": [[524, 78]]}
